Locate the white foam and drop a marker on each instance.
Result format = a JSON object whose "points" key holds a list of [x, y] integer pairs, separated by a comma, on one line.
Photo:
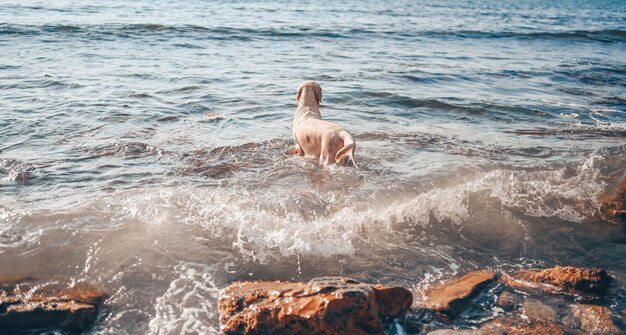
{"points": [[537, 193], [439, 204], [256, 224], [549, 193], [273, 223], [189, 306], [13, 236]]}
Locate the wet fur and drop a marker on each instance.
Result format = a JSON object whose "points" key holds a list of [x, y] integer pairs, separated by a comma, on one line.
{"points": [[316, 138]]}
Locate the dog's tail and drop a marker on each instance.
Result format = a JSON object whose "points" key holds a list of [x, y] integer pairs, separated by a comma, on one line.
{"points": [[348, 148]]}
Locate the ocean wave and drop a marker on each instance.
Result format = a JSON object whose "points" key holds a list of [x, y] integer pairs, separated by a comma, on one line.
{"points": [[265, 224], [11, 234], [377, 98], [46, 82], [404, 104], [148, 29], [125, 149], [189, 304], [603, 35], [224, 161], [581, 131], [13, 170], [543, 193], [241, 33]]}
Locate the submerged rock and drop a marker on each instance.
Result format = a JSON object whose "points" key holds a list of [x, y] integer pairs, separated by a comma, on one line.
{"points": [[327, 305], [420, 320], [613, 205], [452, 296], [510, 325], [457, 332], [536, 310], [534, 318], [595, 319], [562, 278], [507, 301], [515, 311], [28, 304]]}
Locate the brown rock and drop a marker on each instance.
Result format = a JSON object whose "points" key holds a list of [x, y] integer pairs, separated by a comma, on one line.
{"points": [[451, 297], [562, 278], [515, 326], [28, 304], [535, 310], [613, 205], [327, 305], [457, 332], [534, 318], [595, 319], [214, 116]]}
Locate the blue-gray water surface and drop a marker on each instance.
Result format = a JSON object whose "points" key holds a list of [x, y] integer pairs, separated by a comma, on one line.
{"points": [[143, 145]]}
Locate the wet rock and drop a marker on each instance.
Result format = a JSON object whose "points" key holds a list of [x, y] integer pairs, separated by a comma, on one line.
{"points": [[522, 312], [507, 301], [423, 315], [327, 305], [595, 320], [457, 332], [536, 310], [451, 297], [533, 318], [28, 304], [613, 205], [562, 278], [214, 116], [418, 320], [511, 325]]}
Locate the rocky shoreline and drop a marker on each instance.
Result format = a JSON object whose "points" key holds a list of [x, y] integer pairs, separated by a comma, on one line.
{"points": [[559, 300], [337, 305], [34, 305], [326, 305]]}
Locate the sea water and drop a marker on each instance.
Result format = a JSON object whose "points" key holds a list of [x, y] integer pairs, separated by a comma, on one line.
{"points": [[143, 145]]}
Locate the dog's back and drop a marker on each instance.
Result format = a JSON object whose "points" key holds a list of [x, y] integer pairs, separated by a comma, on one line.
{"points": [[315, 137]]}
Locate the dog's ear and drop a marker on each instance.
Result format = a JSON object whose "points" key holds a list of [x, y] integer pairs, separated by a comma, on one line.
{"points": [[299, 93], [318, 94]]}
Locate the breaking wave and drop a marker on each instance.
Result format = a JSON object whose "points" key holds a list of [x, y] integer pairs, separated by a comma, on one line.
{"points": [[262, 225], [189, 302]]}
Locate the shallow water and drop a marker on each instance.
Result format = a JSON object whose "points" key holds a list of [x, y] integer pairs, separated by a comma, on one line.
{"points": [[143, 146]]}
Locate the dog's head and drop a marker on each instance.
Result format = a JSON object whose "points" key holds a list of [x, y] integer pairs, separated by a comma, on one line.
{"points": [[310, 85]]}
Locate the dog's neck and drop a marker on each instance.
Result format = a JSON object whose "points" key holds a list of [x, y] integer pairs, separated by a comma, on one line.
{"points": [[308, 107]]}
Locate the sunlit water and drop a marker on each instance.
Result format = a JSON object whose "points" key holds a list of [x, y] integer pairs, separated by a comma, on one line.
{"points": [[142, 145]]}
